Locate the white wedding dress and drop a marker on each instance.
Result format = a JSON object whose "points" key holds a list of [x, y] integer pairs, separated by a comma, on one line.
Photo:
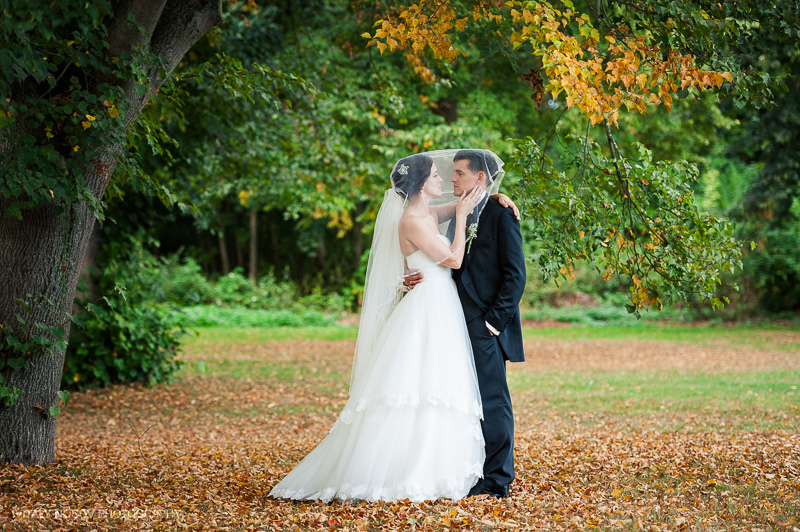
{"points": [[413, 429]]}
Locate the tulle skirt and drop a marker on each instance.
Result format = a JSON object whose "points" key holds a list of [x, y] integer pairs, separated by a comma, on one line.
{"points": [[411, 427]]}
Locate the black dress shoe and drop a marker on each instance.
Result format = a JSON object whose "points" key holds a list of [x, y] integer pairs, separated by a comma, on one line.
{"points": [[477, 489], [493, 490]]}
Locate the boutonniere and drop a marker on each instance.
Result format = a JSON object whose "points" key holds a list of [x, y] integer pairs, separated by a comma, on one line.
{"points": [[472, 232]]}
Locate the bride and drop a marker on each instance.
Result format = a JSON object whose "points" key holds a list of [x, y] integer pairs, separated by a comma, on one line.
{"points": [[411, 426]]}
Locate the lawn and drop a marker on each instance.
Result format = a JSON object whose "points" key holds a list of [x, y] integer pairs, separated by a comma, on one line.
{"points": [[618, 428]]}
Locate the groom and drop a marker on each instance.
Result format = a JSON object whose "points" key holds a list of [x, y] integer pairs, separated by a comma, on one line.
{"points": [[490, 284]]}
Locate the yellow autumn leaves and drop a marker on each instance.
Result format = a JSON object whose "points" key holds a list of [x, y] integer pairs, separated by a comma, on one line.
{"points": [[425, 24], [598, 75], [88, 122]]}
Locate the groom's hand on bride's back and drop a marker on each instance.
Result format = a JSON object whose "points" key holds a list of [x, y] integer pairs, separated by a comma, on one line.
{"points": [[411, 279]]}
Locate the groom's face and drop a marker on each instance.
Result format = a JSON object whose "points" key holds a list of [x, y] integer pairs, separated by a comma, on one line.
{"points": [[464, 179]]}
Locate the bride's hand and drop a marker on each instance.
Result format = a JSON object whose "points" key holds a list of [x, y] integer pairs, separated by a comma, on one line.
{"points": [[467, 202]]}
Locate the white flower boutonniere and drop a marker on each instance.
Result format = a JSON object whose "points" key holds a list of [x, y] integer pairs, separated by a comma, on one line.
{"points": [[472, 233]]}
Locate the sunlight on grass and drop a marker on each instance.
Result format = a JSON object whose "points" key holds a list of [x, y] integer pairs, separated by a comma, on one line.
{"points": [[247, 335], [747, 398], [263, 369], [762, 338], [714, 399]]}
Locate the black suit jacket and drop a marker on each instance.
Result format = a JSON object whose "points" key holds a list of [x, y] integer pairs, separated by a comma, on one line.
{"points": [[492, 277]]}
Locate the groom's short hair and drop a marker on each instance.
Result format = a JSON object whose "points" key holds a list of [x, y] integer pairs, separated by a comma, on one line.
{"points": [[479, 160]]}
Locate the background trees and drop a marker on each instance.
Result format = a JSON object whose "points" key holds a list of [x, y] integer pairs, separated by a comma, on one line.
{"points": [[269, 143]]}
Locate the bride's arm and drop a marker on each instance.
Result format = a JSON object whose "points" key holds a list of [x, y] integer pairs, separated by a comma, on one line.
{"points": [[426, 238], [446, 211]]}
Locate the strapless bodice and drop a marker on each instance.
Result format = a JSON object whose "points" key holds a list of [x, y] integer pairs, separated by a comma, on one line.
{"points": [[420, 261]]}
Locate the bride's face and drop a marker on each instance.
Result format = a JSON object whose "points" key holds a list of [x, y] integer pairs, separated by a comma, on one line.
{"points": [[433, 185]]}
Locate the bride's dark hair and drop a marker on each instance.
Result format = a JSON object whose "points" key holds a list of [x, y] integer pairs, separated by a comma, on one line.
{"points": [[410, 174]]}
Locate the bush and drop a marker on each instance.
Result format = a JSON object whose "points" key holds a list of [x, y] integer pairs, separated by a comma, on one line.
{"points": [[127, 337], [134, 342], [180, 282], [609, 311], [774, 269]]}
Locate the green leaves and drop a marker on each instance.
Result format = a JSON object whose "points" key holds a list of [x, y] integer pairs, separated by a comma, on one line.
{"points": [[64, 104], [64, 396], [631, 219], [129, 338], [16, 363], [8, 396], [55, 410]]}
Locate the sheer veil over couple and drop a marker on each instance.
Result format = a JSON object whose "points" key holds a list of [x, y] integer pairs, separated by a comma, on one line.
{"points": [[429, 414]]}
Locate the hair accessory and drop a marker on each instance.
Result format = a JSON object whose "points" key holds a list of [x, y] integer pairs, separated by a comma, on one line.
{"points": [[402, 169]]}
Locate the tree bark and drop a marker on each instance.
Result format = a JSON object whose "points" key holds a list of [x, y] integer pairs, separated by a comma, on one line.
{"points": [[223, 253], [89, 268], [273, 238], [41, 255], [254, 247], [447, 108], [237, 248]]}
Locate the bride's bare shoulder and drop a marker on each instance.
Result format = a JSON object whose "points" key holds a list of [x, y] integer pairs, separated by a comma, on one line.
{"points": [[410, 219]]}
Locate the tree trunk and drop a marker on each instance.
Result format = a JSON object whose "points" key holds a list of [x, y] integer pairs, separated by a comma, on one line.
{"points": [[254, 247], [88, 268], [237, 248], [273, 239], [447, 108], [41, 255], [322, 252], [223, 253]]}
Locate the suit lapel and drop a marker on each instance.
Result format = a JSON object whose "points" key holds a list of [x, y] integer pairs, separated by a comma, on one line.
{"points": [[481, 208]]}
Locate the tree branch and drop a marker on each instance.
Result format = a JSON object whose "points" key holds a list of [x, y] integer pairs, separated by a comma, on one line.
{"points": [[181, 25], [123, 35]]}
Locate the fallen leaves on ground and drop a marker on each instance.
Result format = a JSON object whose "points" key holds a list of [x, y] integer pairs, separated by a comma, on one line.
{"points": [[204, 452]]}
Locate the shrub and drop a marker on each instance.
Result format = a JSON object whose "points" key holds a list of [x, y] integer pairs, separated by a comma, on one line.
{"points": [[127, 338], [774, 269], [180, 282], [134, 342]]}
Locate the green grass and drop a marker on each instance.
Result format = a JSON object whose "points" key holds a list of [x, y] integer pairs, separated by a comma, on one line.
{"points": [[248, 335], [752, 336], [214, 316], [748, 394], [260, 369], [644, 331], [674, 398]]}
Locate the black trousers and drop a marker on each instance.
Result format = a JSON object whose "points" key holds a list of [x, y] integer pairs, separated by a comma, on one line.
{"points": [[498, 415]]}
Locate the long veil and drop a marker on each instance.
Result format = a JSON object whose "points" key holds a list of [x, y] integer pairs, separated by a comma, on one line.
{"points": [[385, 268], [383, 285]]}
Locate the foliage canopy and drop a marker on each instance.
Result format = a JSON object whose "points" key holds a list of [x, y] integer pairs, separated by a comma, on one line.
{"points": [[617, 208]]}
